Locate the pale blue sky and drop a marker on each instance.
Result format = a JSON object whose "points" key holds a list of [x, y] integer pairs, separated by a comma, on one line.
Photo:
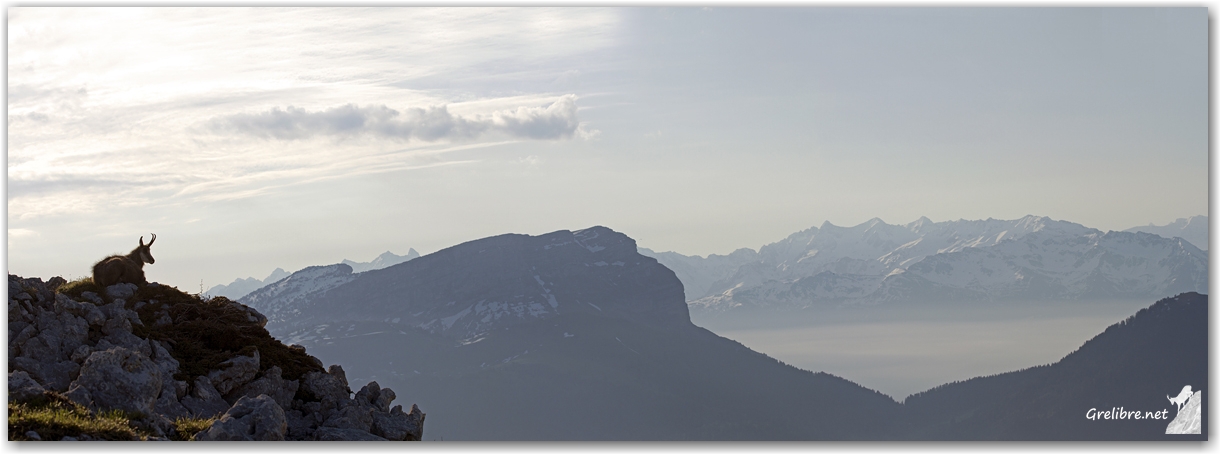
{"points": [[250, 139]]}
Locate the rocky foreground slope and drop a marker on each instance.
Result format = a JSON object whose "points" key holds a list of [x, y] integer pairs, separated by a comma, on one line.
{"points": [[159, 355]]}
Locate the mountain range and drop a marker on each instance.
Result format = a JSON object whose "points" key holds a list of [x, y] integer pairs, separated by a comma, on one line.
{"points": [[575, 335], [1032, 258], [242, 286], [1193, 229]]}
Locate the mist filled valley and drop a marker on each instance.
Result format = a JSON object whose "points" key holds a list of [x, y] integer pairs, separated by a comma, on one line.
{"points": [[903, 350]]}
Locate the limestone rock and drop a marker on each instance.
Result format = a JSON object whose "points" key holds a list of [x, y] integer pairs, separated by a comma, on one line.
{"points": [[121, 291], [120, 378], [397, 425], [81, 354], [54, 283], [351, 417], [117, 329], [375, 396], [252, 315], [88, 311], [337, 434], [92, 297], [168, 405], [56, 376], [118, 309], [234, 372], [21, 387], [250, 419], [336, 371], [330, 389], [272, 384], [300, 426], [53, 339], [204, 401]]}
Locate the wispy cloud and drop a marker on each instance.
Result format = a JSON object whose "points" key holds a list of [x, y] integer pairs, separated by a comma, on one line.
{"points": [[558, 120]]}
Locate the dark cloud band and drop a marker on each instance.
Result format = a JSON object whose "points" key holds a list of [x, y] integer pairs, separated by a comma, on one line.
{"points": [[555, 121]]}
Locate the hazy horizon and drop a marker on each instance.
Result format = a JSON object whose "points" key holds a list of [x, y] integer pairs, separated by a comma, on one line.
{"points": [[254, 138], [900, 351]]}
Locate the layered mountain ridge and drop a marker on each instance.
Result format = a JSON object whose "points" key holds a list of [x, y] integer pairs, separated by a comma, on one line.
{"points": [[241, 287], [1032, 258], [589, 340], [1193, 229]]}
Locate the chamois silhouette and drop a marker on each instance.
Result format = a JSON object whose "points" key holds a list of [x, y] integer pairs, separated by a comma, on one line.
{"points": [[128, 268]]}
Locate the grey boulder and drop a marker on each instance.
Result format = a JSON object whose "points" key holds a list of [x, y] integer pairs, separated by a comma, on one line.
{"points": [[21, 387], [250, 419], [234, 372], [118, 378]]}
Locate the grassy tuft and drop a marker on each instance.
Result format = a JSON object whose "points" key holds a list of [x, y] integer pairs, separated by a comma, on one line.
{"points": [[76, 287], [186, 428], [54, 417]]}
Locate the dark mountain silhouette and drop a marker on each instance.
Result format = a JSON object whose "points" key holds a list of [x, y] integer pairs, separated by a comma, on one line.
{"points": [[566, 336], [576, 336], [1134, 364]]}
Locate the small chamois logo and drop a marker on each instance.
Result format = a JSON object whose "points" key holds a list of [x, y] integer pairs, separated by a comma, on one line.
{"points": [[1182, 397]]}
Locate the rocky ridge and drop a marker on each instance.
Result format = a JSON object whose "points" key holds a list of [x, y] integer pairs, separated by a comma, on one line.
{"points": [[158, 354]]}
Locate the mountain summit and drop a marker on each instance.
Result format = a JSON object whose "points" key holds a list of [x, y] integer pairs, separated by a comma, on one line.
{"points": [[465, 290]]}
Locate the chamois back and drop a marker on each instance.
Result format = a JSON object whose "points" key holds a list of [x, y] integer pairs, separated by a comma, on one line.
{"points": [[119, 269]]}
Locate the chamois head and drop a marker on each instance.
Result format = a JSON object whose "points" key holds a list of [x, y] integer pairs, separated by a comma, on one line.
{"points": [[128, 268], [142, 253]]}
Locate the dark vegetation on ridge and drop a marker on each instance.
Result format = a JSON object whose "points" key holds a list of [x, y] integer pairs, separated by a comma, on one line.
{"points": [[205, 332]]}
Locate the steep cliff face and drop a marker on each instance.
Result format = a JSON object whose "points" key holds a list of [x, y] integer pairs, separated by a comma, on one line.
{"points": [[160, 355]]}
